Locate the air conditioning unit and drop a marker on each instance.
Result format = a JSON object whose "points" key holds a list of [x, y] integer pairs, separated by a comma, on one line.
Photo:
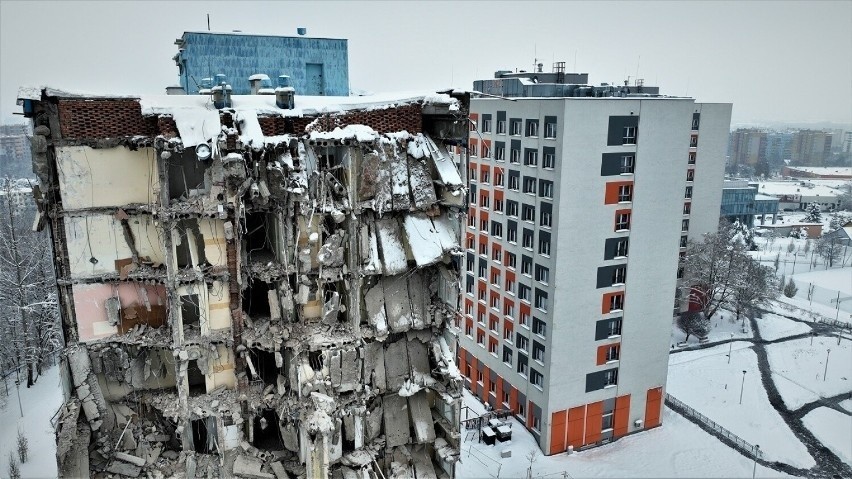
{"points": [[638, 423]]}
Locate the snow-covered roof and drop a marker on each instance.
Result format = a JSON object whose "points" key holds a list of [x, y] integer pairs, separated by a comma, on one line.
{"points": [[760, 197], [259, 76], [824, 170], [775, 188]]}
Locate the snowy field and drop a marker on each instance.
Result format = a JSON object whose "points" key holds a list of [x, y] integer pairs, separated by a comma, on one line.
{"points": [[833, 429], [774, 327], [847, 405], [677, 449], [797, 369], [39, 402], [705, 381], [723, 326], [837, 279]]}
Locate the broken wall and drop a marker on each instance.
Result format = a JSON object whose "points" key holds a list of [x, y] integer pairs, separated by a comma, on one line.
{"points": [[106, 309], [96, 178], [97, 244]]}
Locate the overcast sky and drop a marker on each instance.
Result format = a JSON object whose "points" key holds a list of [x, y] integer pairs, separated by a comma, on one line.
{"points": [[775, 61]]}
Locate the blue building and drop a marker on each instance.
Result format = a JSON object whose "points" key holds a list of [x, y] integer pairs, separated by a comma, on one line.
{"points": [[741, 201], [316, 66]]}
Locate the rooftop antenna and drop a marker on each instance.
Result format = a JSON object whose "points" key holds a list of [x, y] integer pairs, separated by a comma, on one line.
{"points": [[208, 22], [637, 67]]}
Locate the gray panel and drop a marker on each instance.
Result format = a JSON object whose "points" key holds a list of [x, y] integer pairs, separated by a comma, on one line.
{"points": [[696, 120], [501, 115], [616, 128], [550, 119], [492, 375], [595, 381], [516, 144], [605, 276], [608, 405], [610, 247]]}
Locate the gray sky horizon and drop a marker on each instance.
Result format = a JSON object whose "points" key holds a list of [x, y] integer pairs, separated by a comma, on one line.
{"points": [[777, 62]]}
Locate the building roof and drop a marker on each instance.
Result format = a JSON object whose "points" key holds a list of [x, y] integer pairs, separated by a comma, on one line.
{"points": [[248, 34], [776, 188], [824, 170]]}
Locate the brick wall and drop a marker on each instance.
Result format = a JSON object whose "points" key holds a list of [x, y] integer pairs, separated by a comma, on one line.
{"points": [[112, 118], [386, 120]]}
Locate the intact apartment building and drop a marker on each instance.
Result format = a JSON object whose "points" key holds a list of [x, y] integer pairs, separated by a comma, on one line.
{"points": [[314, 66], [253, 285], [582, 199]]}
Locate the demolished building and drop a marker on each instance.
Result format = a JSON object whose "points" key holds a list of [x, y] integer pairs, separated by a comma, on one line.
{"points": [[253, 287]]}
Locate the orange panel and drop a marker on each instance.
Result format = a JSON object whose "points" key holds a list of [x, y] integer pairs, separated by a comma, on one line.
{"points": [[615, 218], [498, 194], [602, 354], [499, 392], [557, 432], [530, 405], [621, 415], [605, 303], [485, 381], [576, 418], [653, 404], [513, 400], [611, 194], [594, 411]]}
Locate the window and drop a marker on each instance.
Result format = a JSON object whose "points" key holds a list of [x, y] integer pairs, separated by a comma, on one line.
{"points": [[479, 377], [501, 127], [510, 288], [532, 128], [486, 152], [497, 254], [616, 302], [627, 164], [529, 185], [522, 368], [515, 156], [500, 153], [619, 275], [508, 310], [528, 211], [483, 249], [511, 260], [468, 309], [531, 157], [507, 334], [606, 421], [544, 245], [527, 239], [485, 201], [483, 268], [611, 377], [614, 327], [496, 229], [480, 339], [545, 189], [687, 208], [521, 342], [499, 180], [546, 218], [486, 125], [469, 286], [472, 174], [516, 127], [485, 177], [539, 327], [526, 265], [492, 348], [549, 160], [542, 274], [550, 129], [696, 118], [691, 160], [524, 292], [507, 356], [472, 123], [472, 149], [629, 135], [498, 206], [688, 192], [540, 299], [512, 208], [480, 317], [483, 225], [625, 193], [492, 387], [621, 248], [522, 411], [470, 242], [524, 320], [482, 295], [612, 353], [690, 175], [536, 379], [514, 183], [684, 225], [693, 141], [470, 265], [538, 352], [683, 240], [512, 236], [495, 300], [506, 394], [468, 330], [622, 221]]}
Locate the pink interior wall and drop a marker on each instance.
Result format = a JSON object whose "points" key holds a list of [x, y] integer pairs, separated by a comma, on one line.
{"points": [[89, 303]]}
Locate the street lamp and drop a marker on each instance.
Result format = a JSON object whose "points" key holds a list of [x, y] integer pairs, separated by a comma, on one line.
{"points": [[730, 345], [756, 452], [827, 352], [742, 387]]}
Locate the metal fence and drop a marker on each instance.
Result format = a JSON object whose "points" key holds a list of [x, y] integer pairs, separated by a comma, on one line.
{"points": [[744, 446]]}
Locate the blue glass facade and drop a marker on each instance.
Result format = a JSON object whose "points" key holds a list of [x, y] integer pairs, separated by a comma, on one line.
{"points": [[744, 203], [316, 66]]}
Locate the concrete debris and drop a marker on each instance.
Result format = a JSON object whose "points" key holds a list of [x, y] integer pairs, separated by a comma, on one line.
{"points": [[242, 304]]}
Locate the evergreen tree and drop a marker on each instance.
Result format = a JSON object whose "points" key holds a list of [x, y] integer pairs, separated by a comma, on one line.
{"points": [[814, 215], [790, 289]]}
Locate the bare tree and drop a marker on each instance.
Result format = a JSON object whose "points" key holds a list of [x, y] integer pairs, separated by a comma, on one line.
{"points": [[829, 249], [29, 320], [712, 266], [693, 323]]}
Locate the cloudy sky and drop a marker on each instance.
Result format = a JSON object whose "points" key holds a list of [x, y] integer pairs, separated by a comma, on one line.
{"points": [[775, 61]]}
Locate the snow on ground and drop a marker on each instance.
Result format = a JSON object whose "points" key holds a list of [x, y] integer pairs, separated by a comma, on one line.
{"points": [[705, 381], [839, 279], [833, 429], [847, 405], [677, 449], [722, 325], [774, 327], [797, 369], [40, 403], [808, 310]]}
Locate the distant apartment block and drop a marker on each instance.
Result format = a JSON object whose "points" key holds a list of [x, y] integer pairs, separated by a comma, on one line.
{"points": [[316, 66], [810, 147], [747, 146], [581, 202]]}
